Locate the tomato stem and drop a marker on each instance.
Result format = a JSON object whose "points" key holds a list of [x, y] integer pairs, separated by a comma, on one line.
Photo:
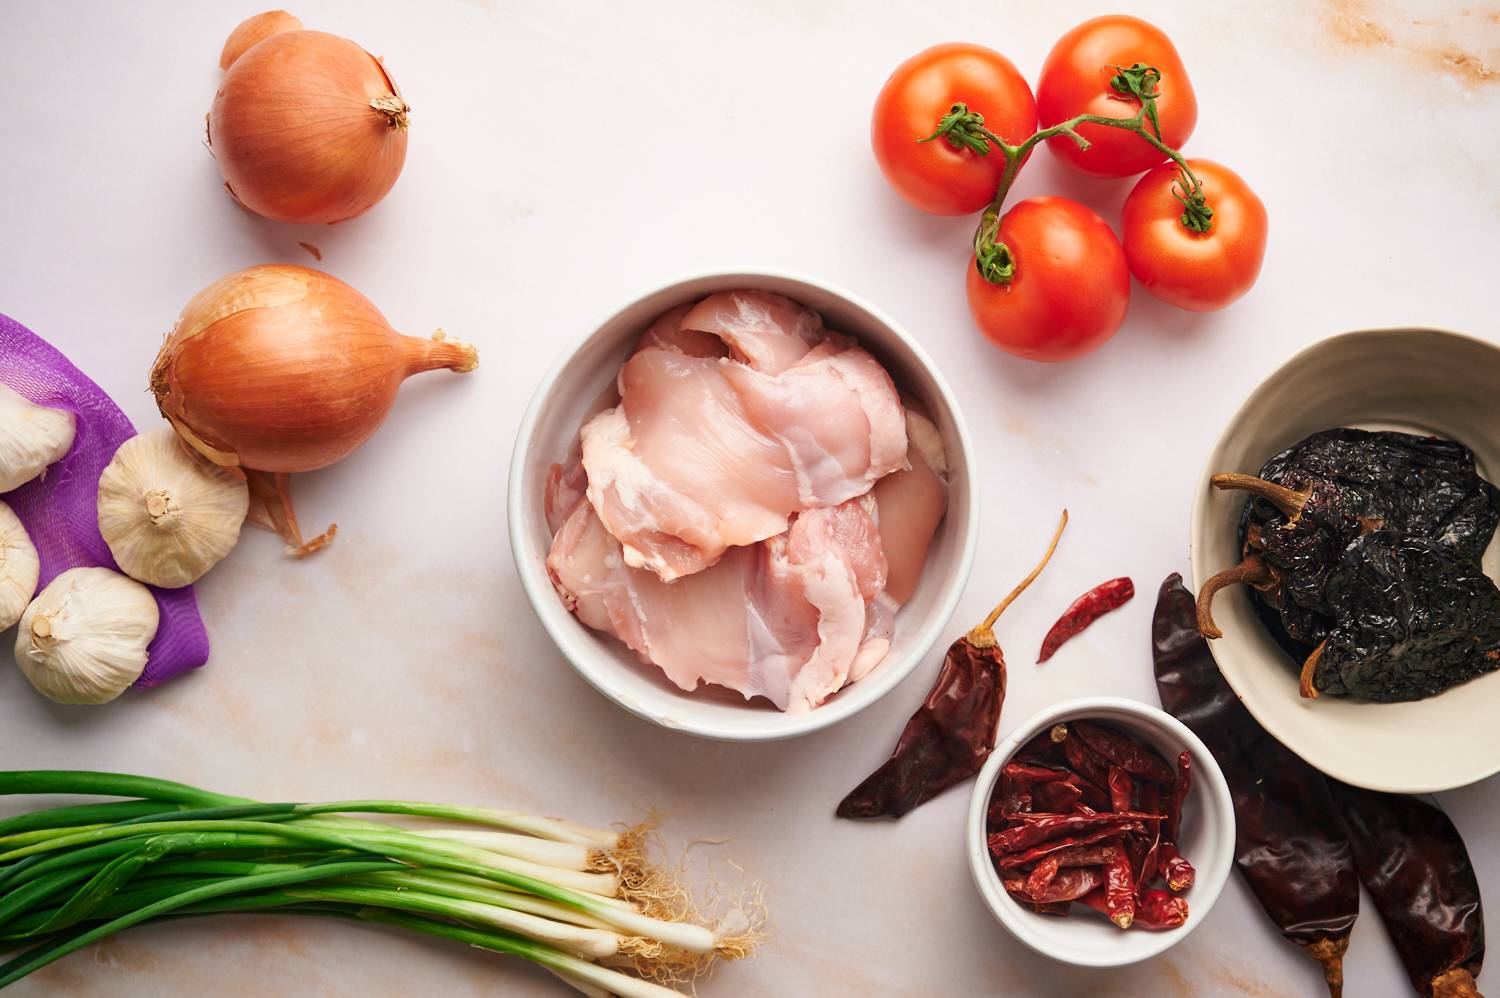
{"points": [[965, 129]]}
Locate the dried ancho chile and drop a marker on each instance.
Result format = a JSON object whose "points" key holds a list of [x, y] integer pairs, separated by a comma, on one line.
{"points": [[1363, 551], [1290, 845], [1413, 617], [951, 735], [1415, 866]]}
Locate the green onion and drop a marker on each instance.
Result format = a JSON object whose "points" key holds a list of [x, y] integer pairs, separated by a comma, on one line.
{"points": [[559, 894]]}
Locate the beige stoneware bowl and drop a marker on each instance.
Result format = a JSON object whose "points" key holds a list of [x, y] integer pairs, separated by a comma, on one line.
{"points": [[572, 390], [1415, 380]]}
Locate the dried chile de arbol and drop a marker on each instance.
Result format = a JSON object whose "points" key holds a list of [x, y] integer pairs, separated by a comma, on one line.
{"points": [[1068, 885], [1155, 909], [949, 737], [1416, 868], [1365, 548], [1023, 860], [1127, 753], [1290, 843], [1084, 611], [1041, 855]]}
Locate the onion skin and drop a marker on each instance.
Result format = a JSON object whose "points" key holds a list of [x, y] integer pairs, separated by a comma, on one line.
{"points": [[282, 369], [253, 30], [307, 127]]}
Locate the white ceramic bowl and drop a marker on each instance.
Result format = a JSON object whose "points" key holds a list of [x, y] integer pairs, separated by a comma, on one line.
{"points": [[1207, 840], [1416, 380], [568, 393]]}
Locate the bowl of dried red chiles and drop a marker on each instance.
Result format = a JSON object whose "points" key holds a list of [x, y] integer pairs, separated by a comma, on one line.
{"points": [[1100, 832]]}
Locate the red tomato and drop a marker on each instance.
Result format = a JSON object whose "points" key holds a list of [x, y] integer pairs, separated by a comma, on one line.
{"points": [[1076, 80], [1070, 287], [934, 176], [1200, 271]]}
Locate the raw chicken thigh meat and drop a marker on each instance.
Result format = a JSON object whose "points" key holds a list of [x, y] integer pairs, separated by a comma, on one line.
{"points": [[755, 509]]}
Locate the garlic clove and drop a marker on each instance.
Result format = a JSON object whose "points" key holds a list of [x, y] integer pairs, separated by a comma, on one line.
{"points": [[83, 639], [31, 438], [167, 514], [19, 568]]}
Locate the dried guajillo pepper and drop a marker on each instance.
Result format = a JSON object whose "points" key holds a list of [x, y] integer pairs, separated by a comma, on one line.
{"points": [[1412, 617], [1290, 845], [1084, 611], [949, 737], [1316, 499], [1416, 868]]}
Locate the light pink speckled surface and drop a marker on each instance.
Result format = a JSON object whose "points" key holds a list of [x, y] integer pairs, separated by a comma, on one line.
{"points": [[403, 661]]}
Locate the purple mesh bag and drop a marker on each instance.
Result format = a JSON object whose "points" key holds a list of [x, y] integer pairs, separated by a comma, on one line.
{"points": [[60, 509]]}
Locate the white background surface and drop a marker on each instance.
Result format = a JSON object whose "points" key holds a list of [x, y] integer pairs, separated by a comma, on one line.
{"points": [[563, 158]]}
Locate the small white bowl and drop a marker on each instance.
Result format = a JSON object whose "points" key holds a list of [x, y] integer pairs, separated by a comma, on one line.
{"points": [[569, 392], [1414, 380], [1207, 840]]}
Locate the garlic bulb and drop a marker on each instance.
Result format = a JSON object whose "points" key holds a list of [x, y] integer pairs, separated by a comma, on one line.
{"points": [[167, 514], [31, 438], [19, 568], [84, 638]]}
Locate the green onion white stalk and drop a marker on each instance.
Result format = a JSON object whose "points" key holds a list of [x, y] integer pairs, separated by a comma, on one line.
{"points": [[568, 897]]}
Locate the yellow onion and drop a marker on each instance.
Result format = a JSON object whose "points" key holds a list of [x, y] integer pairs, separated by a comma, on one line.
{"points": [[306, 126], [256, 29], [279, 369]]}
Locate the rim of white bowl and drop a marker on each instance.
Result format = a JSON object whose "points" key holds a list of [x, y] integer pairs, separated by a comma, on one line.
{"points": [[1207, 777], [771, 726], [1284, 733]]}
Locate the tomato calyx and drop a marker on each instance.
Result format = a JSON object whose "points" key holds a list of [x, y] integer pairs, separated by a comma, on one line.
{"points": [[1140, 82], [964, 129], [1196, 215], [992, 257]]}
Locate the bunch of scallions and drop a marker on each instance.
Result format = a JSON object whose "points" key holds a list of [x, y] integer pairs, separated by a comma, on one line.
{"points": [[585, 903]]}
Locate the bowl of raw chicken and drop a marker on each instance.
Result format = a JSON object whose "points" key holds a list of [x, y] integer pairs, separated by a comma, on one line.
{"points": [[742, 506]]}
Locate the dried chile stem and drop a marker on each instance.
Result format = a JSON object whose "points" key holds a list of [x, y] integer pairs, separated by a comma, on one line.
{"points": [[964, 129], [1309, 668], [1252, 571], [1456, 983], [983, 636], [1289, 501], [1330, 953]]}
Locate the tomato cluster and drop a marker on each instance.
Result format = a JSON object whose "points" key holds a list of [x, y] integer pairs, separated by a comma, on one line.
{"points": [[1050, 280]]}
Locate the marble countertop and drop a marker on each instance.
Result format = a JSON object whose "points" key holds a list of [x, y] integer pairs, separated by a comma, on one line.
{"points": [[565, 157]]}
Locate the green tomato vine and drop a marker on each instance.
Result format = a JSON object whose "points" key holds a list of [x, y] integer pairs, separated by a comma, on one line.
{"points": [[965, 130]]}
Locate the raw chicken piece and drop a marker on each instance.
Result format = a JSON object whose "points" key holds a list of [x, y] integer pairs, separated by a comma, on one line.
{"points": [[837, 414], [910, 503], [703, 454], [668, 333], [678, 472], [768, 332], [565, 485], [783, 619]]}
